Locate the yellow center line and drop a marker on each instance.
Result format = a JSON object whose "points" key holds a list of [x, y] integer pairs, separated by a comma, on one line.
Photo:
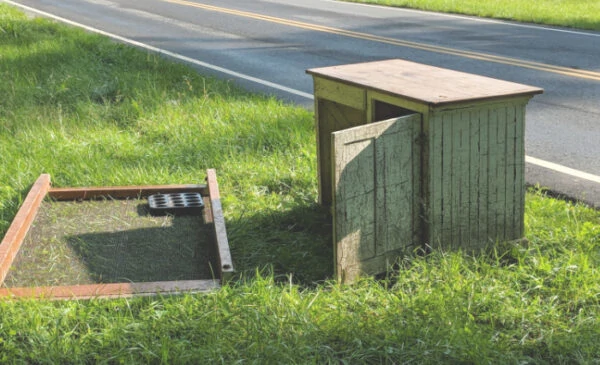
{"points": [[584, 74]]}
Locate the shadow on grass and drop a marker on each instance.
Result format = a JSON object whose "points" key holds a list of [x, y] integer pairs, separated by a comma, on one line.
{"points": [[294, 243], [91, 242], [180, 250]]}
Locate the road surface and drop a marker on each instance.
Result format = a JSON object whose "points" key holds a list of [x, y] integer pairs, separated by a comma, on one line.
{"points": [[266, 45]]}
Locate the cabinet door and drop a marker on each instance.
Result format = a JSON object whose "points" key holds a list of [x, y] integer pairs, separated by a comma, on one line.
{"points": [[376, 174]]}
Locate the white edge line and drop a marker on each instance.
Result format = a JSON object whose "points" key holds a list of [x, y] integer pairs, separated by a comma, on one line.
{"points": [[475, 18], [532, 160], [167, 53], [562, 169]]}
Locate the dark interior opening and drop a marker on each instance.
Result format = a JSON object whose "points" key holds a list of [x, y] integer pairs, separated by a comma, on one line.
{"points": [[385, 111]]}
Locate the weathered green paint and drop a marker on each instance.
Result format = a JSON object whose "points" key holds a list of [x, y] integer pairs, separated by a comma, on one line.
{"points": [[467, 167], [510, 178], [475, 189], [476, 175], [375, 205], [520, 166], [347, 95], [484, 175]]}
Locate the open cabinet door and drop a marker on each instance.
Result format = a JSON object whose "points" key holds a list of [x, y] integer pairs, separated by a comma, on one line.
{"points": [[376, 189]]}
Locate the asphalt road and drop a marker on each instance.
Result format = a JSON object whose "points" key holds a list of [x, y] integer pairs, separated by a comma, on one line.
{"points": [[266, 45]]}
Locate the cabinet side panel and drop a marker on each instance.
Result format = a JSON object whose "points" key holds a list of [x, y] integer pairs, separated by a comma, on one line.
{"points": [[476, 176]]}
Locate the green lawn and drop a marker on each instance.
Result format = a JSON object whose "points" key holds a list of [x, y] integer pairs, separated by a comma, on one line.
{"points": [[92, 112], [584, 14]]}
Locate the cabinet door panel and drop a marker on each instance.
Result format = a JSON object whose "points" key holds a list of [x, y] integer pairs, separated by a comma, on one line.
{"points": [[376, 175]]}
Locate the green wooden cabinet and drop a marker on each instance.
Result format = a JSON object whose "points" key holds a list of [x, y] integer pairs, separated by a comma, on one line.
{"points": [[412, 155]]}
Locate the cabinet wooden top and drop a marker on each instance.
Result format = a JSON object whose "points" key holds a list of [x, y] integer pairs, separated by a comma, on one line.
{"points": [[422, 83]]}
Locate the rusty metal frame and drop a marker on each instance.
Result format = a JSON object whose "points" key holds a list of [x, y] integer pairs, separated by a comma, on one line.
{"points": [[17, 231]]}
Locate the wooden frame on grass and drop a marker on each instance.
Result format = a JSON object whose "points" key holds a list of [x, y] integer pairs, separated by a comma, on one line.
{"points": [[213, 215]]}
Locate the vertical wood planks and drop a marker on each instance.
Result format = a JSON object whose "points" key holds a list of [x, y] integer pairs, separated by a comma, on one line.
{"points": [[476, 177], [446, 180], [418, 147], [434, 212], [484, 172], [492, 193], [463, 131], [474, 171], [393, 171], [456, 174], [354, 202], [511, 174], [501, 158], [374, 204], [467, 168], [519, 169]]}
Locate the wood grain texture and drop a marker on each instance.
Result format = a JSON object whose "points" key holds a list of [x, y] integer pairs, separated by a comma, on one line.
{"points": [[448, 192], [474, 198], [500, 208], [465, 183], [469, 179], [426, 84], [484, 179], [520, 169], [476, 176], [375, 207], [433, 178], [117, 192], [114, 290], [222, 243], [347, 95], [11, 243], [510, 178]]}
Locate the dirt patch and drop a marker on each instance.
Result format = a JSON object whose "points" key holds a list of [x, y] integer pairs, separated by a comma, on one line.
{"points": [[110, 241]]}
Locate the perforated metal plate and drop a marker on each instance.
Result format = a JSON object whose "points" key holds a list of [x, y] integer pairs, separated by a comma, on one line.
{"points": [[176, 204]]}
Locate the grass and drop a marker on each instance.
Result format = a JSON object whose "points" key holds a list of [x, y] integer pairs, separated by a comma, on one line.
{"points": [[91, 112], [566, 13], [110, 241]]}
